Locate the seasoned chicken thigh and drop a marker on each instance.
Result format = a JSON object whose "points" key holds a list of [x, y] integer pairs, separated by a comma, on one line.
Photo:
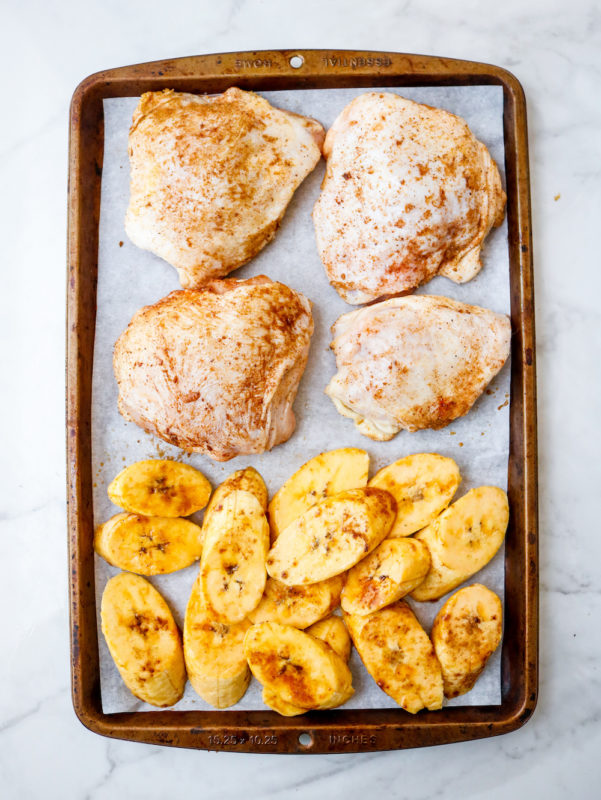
{"points": [[216, 370], [211, 177], [409, 192], [414, 362]]}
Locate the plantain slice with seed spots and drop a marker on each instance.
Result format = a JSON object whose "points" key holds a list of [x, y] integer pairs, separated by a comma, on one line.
{"points": [[398, 654], [423, 485], [299, 606], [247, 480], [232, 567], [323, 476], [395, 568], [143, 640], [298, 668], [214, 653], [462, 540], [148, 545], [160, 488], [333, 632], [275, 702], [466, 632], [331, 536]]}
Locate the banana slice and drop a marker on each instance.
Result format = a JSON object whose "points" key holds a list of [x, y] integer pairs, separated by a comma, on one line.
{"points": [[323, 476], [275, 702], [466, 632], [422, 485], [399, 656], [143, 640], [395, 568], [333, 632], [247, 480], [214, 653], [331, 536], [232, 567], [148, 545], [462, 540], [298, 668], [158, 488], [299, 606]]}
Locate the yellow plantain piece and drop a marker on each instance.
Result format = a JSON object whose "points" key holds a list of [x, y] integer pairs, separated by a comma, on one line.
{"points": [[466, 632], [423, 485], [332, 536], [214, 653], [143, 640], [160, 488], [323, 476], [398, 654], [148, 545], [275, 702], [247, 480], [298, 668], [395, 568], [299, 606], [232, 567], [333, 632], [462, 540]]}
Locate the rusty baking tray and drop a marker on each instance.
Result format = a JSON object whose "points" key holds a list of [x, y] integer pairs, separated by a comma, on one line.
{"points": [[339, 730]]}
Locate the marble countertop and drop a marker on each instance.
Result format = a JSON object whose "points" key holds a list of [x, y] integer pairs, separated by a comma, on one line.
{"points": [[554, 48]]}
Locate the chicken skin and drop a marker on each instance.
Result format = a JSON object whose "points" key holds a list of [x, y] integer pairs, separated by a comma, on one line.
{"points": [[216, 370], [414, 362], [211, 177], [409, 193]]}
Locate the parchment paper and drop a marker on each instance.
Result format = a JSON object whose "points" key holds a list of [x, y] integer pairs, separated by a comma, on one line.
{"points": [[129, 278]]}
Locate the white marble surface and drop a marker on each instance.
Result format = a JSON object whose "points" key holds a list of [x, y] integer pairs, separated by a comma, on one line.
{"points": [[554, 48]]}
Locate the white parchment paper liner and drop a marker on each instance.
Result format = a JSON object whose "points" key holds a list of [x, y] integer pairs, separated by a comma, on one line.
{"points": [[129, 278]]}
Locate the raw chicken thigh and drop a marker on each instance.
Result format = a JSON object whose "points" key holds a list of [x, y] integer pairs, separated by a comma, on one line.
{"points": [[409, 192], [211, 177], [414, 362], [216, 370]]}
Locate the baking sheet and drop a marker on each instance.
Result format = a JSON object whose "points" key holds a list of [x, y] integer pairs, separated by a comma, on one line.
{"points": [[129, 278]]}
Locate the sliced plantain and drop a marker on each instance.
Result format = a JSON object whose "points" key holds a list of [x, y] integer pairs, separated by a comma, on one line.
{"points": [[323, 476], [466, 632], [395, 568], [247, 480], [331, 536], [160, 488], [333, 632], [462, 540], [298, 668], [275, 702], [148, 545], [422, 485], [398, 654], [143, 640], [232, 567], [214, 653], [299, 606]]}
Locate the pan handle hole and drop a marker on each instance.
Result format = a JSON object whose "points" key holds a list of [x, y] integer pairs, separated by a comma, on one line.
{"points": [[296, 62], [305, 740]]}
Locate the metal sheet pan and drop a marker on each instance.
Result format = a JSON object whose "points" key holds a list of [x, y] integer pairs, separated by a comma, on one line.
{"points": [[339, 730]]}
